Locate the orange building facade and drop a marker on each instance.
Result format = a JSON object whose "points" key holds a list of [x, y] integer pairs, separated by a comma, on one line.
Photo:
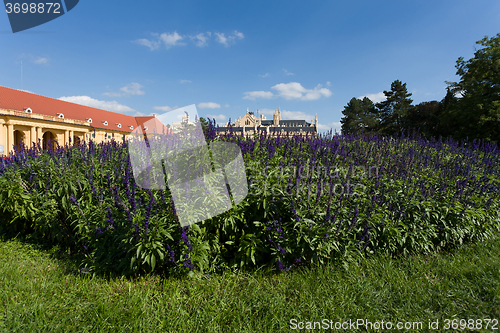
{"points": [[27, 119]]}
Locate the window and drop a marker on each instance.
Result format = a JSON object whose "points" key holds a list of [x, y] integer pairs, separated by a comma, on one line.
{"points": [[60, 115], [118, 125], [89, 120], [105, 122]]}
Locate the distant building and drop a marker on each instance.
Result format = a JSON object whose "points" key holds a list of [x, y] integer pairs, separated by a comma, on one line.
{"points": [[27, 118], [177, 125], [250, 124]]}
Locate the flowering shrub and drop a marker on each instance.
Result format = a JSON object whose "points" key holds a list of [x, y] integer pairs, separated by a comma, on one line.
{"points": [[310, 200]]}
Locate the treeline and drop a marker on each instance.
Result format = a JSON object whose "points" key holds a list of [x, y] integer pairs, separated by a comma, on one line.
{"points": [[470, 109]]}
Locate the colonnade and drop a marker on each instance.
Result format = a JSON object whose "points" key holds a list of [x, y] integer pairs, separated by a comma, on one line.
{"points": [[12, 134]]}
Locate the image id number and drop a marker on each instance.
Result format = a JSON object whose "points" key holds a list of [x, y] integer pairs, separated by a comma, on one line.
{"points": [[33, 8]]}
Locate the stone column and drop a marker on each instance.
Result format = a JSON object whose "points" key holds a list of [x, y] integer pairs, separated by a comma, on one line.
{"points": [[66, 137], [3, 138], [39, 136], [32, 136], [72, 137], [10, 138]]}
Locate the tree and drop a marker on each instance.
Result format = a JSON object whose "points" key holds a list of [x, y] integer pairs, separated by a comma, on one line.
{"points": [[359, 116], [392, 111], [478, 106], [424, 118], [204, 125], [447, 123]]}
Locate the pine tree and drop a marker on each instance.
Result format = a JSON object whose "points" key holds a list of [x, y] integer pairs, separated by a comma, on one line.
{"points": [[359, 116], [393, 111]]}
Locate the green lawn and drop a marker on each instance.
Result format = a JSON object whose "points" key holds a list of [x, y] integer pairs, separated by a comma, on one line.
{"points": [[42, 291]]}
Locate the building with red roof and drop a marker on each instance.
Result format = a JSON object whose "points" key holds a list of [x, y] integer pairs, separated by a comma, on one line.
{"points": [[27, 118]]}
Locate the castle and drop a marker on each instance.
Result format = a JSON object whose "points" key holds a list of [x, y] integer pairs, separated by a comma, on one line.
{"points": [[250, 124]]}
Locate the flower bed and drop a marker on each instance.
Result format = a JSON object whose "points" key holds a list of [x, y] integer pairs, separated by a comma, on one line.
{"points": [[310, 200]]}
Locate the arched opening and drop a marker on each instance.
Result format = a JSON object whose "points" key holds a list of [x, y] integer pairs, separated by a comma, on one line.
{"points": [[49, 140], [77, 141], [18, 140]]}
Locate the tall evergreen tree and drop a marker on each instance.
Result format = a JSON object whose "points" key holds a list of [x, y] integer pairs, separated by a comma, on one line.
{"points": [[359, 116], [394, 109]]}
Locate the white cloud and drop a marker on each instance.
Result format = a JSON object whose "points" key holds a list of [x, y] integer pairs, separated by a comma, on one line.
{"points": [[171, 39], [316, 93], [152, 44], [226, 41], [328, 83], [265, 75], [375, 98], [252, 95], [41, 61], [104, 105], [226, 106], [238, 35], [184, 81], [168, 39], [287, 72], [222, 39], [334, 126], [201, 39], [218, 118], [295, 90], [112, 94], [133, 88], [175, 39], [209, 105], [33, 59], [164, 108]]}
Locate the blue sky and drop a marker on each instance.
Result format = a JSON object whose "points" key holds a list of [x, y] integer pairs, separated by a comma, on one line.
{"points": [[308, 57]]}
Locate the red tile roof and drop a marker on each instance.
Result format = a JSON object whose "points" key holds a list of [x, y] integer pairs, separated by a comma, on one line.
{"points": [[12, 99], [152, 125]]}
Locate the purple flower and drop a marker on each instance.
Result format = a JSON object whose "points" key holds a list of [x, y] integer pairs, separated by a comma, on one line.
{"points": [[110, 218], [185, 238]]}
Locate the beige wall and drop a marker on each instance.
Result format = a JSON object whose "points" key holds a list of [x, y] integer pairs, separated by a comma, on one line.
{"points": [[3, 137], [35, 126]]}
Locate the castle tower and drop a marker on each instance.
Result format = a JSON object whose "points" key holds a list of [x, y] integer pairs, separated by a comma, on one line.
{"points": [[316, 121]]}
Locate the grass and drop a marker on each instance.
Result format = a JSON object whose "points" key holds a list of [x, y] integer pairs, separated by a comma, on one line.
{"points": [[43, 291]]}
